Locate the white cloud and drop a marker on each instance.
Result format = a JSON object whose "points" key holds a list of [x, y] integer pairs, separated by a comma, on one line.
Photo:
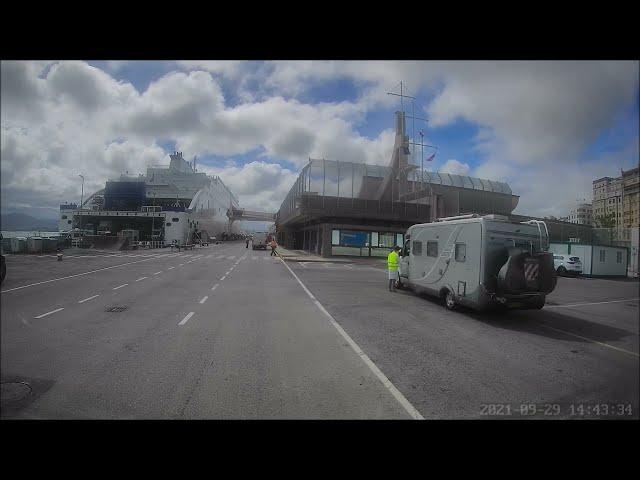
{"points": [[64, 118], [258, 185], [456, 167]]}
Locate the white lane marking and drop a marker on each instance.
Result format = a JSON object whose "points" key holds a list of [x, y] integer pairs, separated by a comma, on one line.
{"points": [[593, 303], [590, 340], [87, 299], [410, 409], [204, 299], [220, 256], [171, 268], [223, 278], [215, 286], [181, 265], [231, 257], [49, 313], [186, 318], [120, 286], [228, 272], [158, 273], [141, 278], [72, 276]]}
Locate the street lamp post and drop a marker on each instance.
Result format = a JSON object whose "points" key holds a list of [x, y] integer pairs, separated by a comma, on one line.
{"points": [[153, 218], [81, 200]]}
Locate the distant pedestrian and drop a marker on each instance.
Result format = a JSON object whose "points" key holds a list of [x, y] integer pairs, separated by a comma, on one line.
{"points": [[247, 240], [273, 245], [392, 266]]}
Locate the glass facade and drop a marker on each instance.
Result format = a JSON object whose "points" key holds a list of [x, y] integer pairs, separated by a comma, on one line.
{"points": [[364, 244]]}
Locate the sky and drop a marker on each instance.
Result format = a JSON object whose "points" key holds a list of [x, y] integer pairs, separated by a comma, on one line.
{"points": [[547, 128]]}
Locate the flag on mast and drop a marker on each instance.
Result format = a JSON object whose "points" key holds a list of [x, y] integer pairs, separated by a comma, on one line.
{"points": [[431, 157]]}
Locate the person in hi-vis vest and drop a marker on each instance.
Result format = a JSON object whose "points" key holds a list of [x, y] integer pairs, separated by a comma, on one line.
{"points": [[392, 266]]}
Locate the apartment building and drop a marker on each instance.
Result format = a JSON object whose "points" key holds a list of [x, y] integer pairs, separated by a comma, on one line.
{"points": [[607, 198], [581, 214], [631, 198]]}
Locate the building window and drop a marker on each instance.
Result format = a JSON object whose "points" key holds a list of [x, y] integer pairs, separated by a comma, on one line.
{"points": [[602, 253], [69, 222], [432, 249], [417, 248], [168, 224], [618, 257], [64, 217], [335, 237], [461, 252], [386, 240], [374, 239], [175, 219]]}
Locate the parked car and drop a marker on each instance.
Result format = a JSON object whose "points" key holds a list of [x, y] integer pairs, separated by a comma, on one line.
{"points": [[567, 264]]}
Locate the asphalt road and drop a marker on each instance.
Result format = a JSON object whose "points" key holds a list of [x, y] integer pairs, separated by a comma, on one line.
{"points": [[565, 361], [223, 332], [220, 332]]}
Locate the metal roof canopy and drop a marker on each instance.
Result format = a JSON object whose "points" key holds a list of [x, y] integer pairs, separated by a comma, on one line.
{"points": [[435, 178]]}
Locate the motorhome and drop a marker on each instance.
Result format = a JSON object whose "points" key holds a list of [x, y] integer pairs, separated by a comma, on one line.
{"points": [[479, 262]]}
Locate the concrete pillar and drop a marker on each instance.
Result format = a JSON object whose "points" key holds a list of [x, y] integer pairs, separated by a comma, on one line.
{"points": [[326, 240]]}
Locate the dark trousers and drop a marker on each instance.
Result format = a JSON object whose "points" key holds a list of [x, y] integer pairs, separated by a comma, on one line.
{"points": [[273, 251]]}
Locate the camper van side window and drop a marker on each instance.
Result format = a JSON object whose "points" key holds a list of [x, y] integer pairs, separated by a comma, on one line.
{"points": [[602, 253], [432, 249], [461, 252], [417, 248]]}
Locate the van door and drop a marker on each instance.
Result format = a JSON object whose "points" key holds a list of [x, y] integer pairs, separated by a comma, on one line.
{"points": [[404, 260], [464, 270]]}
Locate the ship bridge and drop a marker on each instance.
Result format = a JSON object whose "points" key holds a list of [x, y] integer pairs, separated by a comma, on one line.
{"points": [[242, 214]]}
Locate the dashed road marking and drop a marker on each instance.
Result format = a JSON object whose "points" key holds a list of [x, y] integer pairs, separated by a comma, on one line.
{"points": [[49, 313], [186, 318], [87, 299], [158, 273], [204, 299], [223, 278], [141, 278], [231, 257], [215, 286], [181, 265], [120, 286], [76, 275], [171, 268]]}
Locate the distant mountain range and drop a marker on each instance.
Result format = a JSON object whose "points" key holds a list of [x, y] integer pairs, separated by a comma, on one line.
{"points": [[21, 221]]}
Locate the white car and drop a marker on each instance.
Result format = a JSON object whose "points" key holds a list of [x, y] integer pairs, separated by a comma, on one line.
{"points": [[567, 264]]}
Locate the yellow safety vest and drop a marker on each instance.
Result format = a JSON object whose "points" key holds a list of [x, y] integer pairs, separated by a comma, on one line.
{"points": [[392, 261]]}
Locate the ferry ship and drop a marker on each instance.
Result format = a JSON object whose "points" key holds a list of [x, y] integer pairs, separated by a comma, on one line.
{"points": [[170, 204]]}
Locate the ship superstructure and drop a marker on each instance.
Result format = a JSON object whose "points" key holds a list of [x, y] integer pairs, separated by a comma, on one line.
{"points": [[170, 204]]}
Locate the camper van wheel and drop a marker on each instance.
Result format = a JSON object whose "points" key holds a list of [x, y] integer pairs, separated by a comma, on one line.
{"points": [[449, 300]]}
